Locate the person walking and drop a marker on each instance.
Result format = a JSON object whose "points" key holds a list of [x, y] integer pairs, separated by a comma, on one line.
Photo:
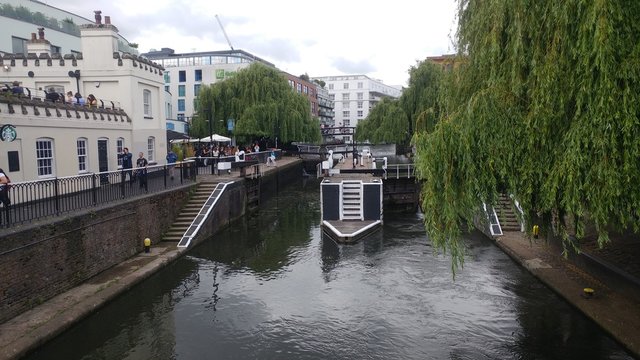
{"points": [[171, 161], [127, 164], [141, 170], [4, 196]]}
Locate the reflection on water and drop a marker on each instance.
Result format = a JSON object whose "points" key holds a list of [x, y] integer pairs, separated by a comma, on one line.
{"points": [[271, 287]]}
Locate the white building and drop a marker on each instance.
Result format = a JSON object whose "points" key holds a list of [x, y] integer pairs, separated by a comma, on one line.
{"points": [[62, 27], [186, 73], [354, 96], [57, 139]]}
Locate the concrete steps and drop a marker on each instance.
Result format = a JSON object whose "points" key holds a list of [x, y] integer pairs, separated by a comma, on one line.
{"points": [[506, 214], [189, 212]]}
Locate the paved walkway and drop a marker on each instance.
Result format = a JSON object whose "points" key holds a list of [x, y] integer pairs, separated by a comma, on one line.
{"points": [[615, 307]]}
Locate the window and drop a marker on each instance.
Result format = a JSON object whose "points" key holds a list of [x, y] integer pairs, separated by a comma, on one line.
{"points": [[198, 75], [360, 113], [169, 111], [292, 84], [196, 89], [359, 84], [167, 77], [81, 145], [166, 88], [360, 96], [360, 104], [18, 45], [345, 97], [345, 86], [151, 147], [55, 49], [182, 76], [330, 86], [346, 113], [181, 117], [347, 122], [299, 87], [345, 104], [305, 89], [119, 147], [44, 156], [180, 104], [332, 96], [181, 90], [146, 100], [170, 126]]}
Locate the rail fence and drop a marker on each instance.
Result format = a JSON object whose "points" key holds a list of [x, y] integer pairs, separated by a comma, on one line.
{"points": [[209, 165], [34, 200]]}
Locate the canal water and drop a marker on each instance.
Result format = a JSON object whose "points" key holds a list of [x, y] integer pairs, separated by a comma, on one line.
{"points": [[271, 287]]}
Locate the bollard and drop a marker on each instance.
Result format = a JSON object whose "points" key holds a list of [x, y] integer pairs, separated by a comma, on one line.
{"points": [[535, 231], [147, 245]]}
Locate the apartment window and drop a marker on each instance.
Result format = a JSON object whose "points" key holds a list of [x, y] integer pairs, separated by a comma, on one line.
{"points": [[44, 156], [196, 89], [170, 126], [347, 122], [330, 86], [345, 86], [146, 100], [182, 76], [359, 84], [360, 96], [299, 87], [166, 88], [332, 96], [81, 145], [181, 105], [151, 148], [360, 104], [181, 90], [346, 113], [198, 75], [292, 84], [305, 89], [167, 77], [18, 45], [181, 117], [119, 148], [345, 104], [345, 96], [360, 113]]}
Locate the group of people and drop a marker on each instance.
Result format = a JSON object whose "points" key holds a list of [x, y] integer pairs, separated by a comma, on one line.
{"points": [[71, 98], [139, 174], [77, 99]]}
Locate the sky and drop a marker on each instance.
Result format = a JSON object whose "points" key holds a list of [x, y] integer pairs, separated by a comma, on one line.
{"points": [[320, 38]]}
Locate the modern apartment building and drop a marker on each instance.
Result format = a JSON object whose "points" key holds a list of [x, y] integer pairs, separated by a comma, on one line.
{"points": [[51, 138], [325, 107], [354, 96], [186, 73], [305, 88], [19, 18]]}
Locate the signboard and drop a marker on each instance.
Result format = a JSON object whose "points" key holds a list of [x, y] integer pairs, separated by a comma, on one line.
{"points": [[230, 124], [8, 133], [221, 74]]}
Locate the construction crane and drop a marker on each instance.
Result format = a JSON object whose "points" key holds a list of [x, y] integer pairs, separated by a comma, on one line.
{"points": [[224, 32]]}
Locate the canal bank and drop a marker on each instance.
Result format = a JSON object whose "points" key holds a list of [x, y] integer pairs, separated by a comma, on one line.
{"points": [[31, 329], [616, 308]]}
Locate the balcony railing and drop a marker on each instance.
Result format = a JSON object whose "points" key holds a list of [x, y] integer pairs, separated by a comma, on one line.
{"points": [[34, 200]]}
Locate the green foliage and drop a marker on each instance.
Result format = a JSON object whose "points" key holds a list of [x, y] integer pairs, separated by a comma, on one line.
{"points": [[545, 105], [386, 123], [37, 18], [261, 102]]}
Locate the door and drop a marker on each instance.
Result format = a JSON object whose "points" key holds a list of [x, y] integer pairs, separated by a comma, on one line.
{"points": [[103, 159]]}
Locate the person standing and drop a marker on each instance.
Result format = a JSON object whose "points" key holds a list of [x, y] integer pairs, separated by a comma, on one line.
{"points": [[127, 164], [141, 170], [4, 195], [171, 161]]}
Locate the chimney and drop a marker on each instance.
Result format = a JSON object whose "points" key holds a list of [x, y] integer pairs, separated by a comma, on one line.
{"points": [[107, 20], [39, 45], [98, 17], [99, 41]]}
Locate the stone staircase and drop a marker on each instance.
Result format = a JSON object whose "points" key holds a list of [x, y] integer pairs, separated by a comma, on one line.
{"points": [[351, 200], [506, 214], [189, 212]]}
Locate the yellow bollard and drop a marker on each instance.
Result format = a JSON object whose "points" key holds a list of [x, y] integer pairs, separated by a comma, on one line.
{"points": [[147, 245], [535, 231]]}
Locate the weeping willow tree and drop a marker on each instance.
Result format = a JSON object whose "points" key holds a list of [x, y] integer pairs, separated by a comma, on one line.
{"points": [[261, 102], [544, 106], [386, 123]]}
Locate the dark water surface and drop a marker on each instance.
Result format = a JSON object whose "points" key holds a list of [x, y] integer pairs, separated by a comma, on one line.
{"points": [[270, 287]]}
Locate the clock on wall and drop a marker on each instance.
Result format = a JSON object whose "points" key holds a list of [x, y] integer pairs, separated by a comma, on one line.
{"points": [[8, 133]]}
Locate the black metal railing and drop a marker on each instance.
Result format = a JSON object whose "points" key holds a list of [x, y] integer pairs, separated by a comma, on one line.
{"points": [[33, 200], [209, 165]]}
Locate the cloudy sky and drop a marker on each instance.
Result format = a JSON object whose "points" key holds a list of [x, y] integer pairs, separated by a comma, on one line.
{"points": [[329, 37]]}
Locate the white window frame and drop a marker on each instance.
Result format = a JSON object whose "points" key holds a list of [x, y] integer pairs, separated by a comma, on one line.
{"points": [[45, 157], [151, 148], [345, 86], [146, 101], [119, 149], [83, 158]]}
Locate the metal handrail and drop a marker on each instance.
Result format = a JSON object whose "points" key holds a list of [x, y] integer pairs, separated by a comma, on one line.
{"points": [[44, 198]]}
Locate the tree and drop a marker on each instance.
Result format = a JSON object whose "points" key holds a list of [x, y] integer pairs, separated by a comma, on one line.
{"points": [[386, 123], [420, 99], [261, 102], [304, 77], [545, 107]]}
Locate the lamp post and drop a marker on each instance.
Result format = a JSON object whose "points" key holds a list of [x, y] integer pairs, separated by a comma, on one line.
{"points": [[76, 74]]}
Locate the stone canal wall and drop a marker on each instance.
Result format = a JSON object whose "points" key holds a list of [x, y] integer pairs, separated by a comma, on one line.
{"points": [[45, 259]]}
